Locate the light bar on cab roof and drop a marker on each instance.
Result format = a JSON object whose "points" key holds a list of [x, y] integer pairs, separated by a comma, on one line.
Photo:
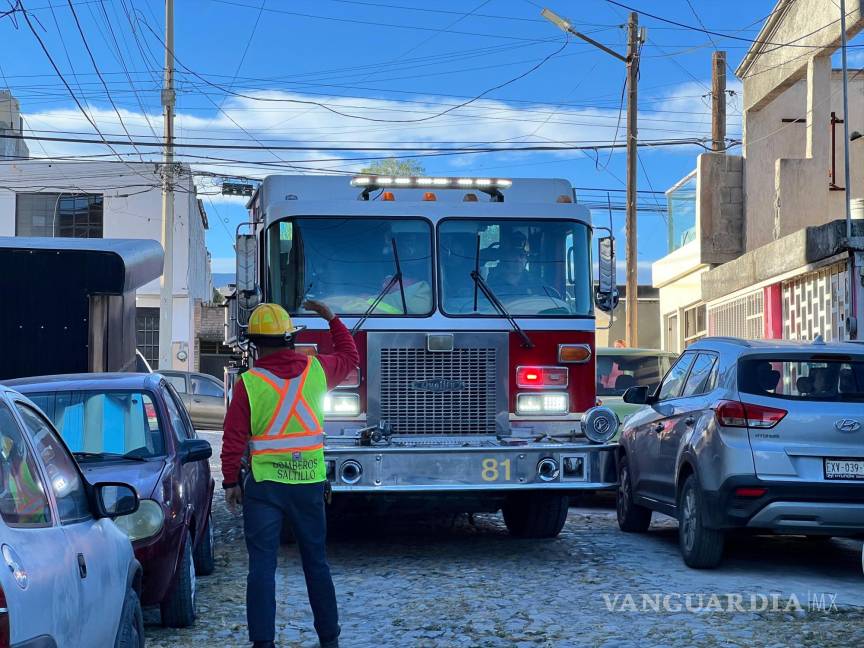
{"points": [[442, 183]]}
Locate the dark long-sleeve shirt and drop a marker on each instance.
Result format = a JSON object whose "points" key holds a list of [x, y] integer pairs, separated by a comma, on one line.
{"points": [[285, 364]]}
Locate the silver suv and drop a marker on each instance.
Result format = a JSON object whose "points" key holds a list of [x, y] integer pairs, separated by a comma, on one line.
{"points": [[764, 436]]}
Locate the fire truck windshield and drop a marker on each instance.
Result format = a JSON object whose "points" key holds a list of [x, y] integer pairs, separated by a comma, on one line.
{"points": [[346, 262], [535, 268]]}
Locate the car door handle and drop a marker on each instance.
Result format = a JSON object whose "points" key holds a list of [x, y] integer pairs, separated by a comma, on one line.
{"points": [[690, 421], [82, 566]]}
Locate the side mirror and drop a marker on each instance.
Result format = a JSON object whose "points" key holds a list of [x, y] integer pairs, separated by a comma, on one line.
{"points": [[247, 272], [606, 296], [192, 450], [637, 395], [115, 499]]}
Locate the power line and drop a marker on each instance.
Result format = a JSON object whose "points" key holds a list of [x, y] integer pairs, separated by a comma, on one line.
{"points": [[242, 147], [710, 32], [361, 117]]}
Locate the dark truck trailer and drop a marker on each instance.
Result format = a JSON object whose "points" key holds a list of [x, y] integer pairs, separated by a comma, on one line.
{"points": [[68, 305]]}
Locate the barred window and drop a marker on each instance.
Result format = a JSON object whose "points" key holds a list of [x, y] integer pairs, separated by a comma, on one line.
{"points": [[59, 214], [147, 333]]}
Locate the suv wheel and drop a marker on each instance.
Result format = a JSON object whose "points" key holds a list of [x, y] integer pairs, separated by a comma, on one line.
{"points": [[204, 556], [701, 547], [540, 515], [632, 517], [178, 609], [130, 634]]}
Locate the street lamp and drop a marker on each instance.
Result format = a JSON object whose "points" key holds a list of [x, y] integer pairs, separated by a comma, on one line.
{"points": [[634, 38]]}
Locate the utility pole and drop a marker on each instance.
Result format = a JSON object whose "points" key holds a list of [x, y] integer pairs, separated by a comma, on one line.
{"points": [[634, 41], [631, 330], [718, 102], [166, 283]]}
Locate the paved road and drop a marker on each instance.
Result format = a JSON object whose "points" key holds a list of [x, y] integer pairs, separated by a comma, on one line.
{"points": [[438, 583]]}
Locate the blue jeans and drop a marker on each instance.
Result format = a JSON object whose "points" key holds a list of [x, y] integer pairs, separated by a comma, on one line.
{"points": [[265, 505]]}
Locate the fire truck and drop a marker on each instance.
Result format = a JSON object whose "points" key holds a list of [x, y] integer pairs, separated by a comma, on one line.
{"points": [[471, 301]]}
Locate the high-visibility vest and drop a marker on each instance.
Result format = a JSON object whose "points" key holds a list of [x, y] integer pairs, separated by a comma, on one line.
{"points": [[287, 443], [31, 503]]}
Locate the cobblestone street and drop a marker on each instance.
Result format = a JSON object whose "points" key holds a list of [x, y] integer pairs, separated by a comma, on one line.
{"points": [[435, 583]]}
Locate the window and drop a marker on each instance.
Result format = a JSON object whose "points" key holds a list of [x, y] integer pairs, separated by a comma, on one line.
{"points": [[674, 380], [702, 375], [65, 214], [822, 378], [534, 267], [107, 423], [681, 204], [178, 382], [617, 372], [206, 387], [147, 333], [62, 473], [178, 421], [347, 262], [695, 326], [23, 501]]}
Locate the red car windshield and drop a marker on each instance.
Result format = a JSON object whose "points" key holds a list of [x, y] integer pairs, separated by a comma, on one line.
{"points": [[109, 422]]}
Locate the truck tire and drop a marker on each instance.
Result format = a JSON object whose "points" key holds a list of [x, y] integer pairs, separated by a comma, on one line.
{"points": [[701, 547], [535, 515], [632, 518], [178, 608], [130, 634], [204, 555]]}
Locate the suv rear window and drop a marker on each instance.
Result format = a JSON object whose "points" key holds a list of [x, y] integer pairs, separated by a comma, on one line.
{"points": [[813, 378]]}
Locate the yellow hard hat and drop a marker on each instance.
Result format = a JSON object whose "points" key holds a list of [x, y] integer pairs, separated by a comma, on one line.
{"points": [[270, 320]]}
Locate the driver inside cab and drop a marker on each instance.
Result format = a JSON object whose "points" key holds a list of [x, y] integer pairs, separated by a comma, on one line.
{"points": [[510, 278]]}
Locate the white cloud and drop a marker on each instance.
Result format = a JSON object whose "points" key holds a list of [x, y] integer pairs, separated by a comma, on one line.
{"points": [[292, 124]]}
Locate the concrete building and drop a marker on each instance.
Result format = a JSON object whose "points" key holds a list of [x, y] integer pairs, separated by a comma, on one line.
{"points": [[117, 200], [11, 123], [649, 318], [758, 246]]}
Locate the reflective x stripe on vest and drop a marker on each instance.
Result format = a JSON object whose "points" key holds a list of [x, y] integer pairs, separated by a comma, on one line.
{"points": [[287, 443]]}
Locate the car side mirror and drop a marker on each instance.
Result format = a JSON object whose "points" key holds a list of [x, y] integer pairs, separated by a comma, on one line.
{"points": [[115, 499], [637, 395], [606, 296], [192, 450]]}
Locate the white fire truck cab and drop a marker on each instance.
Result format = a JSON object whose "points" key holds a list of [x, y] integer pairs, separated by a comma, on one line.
{"points": [[472, 305]]}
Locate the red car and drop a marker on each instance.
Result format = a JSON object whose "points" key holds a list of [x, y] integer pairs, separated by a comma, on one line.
{"points": [[133, 428]]}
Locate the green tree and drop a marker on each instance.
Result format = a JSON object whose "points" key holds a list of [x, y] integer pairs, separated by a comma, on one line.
{"points": [[394, 167]]}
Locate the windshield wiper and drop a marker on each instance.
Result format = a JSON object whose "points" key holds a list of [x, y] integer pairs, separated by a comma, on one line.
{"points": [[396, 278], [480, 282], [108, 455]]}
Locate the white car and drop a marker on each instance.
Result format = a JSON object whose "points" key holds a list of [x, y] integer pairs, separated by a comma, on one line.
{"points": [[69, 577]]}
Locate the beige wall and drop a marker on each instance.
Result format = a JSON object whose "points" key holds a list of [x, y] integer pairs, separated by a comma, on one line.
{"points": [[648, 324], [787, 185]]}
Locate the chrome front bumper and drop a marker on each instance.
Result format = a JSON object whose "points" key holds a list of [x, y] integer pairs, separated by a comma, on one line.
{"points": [[426, 466]]}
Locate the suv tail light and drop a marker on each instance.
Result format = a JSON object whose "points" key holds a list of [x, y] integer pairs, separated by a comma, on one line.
{"points": [[5, 639], [747, 415], [528, 377]]}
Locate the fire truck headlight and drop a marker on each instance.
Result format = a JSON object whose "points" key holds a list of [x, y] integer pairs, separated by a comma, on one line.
{"points": [[144, 523], [543, 404], [341, 405], [600, 424]]}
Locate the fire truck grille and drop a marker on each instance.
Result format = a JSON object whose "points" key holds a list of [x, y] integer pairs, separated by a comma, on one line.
{"points": [[439, 393]]}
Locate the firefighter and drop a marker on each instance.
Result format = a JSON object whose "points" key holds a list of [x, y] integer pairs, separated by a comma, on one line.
{"points": [[276, 412]]}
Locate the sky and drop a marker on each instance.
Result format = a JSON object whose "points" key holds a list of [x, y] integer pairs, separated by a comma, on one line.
{"points": [[379, 73]]}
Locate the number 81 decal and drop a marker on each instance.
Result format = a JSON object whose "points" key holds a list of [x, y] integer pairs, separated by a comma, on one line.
{"points": [[494, 470]]}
